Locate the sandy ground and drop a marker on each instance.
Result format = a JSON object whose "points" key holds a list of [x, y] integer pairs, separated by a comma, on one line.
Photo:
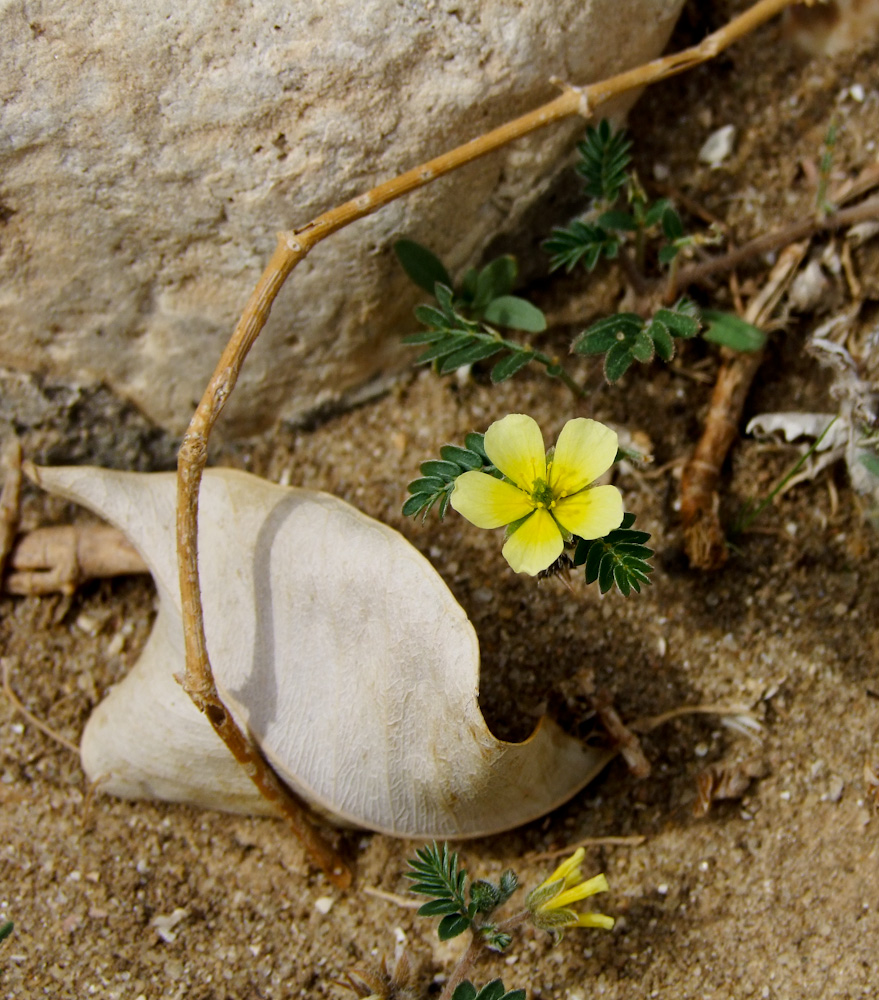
{"points": [[772, 895]]}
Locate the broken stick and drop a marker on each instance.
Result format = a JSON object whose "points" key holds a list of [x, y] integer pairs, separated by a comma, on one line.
{"points": [[704, 537]]}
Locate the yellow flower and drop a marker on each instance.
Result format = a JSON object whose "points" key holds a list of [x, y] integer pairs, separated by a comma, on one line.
{"points": [[550, 903], [544, 500]]}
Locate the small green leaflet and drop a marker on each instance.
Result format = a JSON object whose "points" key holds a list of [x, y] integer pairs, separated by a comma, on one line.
{"points": [[423, 267], [619, 558], [437, 480], [731, 331], [491, 991], [627, 337]]}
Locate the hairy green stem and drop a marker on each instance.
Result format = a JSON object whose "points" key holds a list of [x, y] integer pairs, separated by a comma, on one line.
{"points": [[474, 950]]}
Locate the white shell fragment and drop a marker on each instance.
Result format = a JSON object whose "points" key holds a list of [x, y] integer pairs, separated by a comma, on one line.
{"points": [[336, 644]]}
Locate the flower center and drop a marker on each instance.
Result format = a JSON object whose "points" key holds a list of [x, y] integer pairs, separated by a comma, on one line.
{"points": [[542, 495]]}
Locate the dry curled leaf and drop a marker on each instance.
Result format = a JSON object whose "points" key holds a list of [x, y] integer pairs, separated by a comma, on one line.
{"points": [[724, 780], [336, 644]]}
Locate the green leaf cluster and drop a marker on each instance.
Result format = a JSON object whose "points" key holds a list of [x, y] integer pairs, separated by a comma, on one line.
{"points": [[483, 295], [437, 478], [625, 338], [619, 558], [604, 161], [435, 873], [462, 328], [584, 241], [604, 165], [491, 991]]}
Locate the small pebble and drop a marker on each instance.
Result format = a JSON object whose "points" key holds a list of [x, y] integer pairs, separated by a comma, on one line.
{"points": [[718, 146], [323, 904]]}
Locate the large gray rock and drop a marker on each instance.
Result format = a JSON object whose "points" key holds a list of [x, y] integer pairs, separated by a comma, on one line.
{"points": [[150, 151]]}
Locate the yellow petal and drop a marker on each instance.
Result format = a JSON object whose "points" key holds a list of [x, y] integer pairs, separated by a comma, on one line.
{"points": [[588, 888], [595, 920], [591, 513], [515, 446], [535, 544], [566, 867], [488, 502], [585, 450]]}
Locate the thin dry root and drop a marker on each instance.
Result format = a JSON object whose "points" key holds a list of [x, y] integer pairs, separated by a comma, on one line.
{"points": [[61, 558], [31, 718]]}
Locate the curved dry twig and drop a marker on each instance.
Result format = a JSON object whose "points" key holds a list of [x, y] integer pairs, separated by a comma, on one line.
{"points": [[291, 248]]}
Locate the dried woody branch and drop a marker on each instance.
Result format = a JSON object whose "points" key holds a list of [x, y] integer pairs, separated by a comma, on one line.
{"points": [[704, 537], [291, 248]]}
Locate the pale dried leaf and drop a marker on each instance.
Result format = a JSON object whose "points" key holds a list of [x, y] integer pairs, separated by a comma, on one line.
{"points": [[336, 644]]}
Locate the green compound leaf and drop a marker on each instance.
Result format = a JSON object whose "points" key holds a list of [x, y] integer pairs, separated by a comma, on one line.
{"points": [[619, 558], [434, 871], [627, 337], [580, 241], [733, 332], [604, 161], [516, 313], [6, 928], [422, 266]]}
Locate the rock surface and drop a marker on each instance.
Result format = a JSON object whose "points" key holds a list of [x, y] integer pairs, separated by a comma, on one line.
{"points": [[149, 153]]}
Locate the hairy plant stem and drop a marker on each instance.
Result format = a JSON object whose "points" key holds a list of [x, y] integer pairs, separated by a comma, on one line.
{"points": [[291, 248], [475, 950]]}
